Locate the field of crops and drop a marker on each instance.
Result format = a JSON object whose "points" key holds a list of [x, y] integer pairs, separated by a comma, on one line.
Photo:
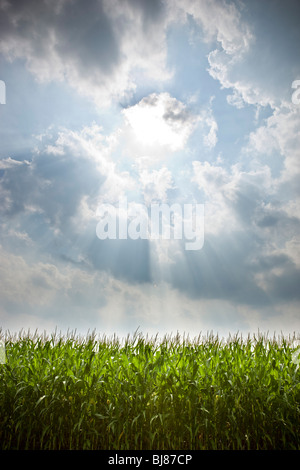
{"points": [[147, 393]]}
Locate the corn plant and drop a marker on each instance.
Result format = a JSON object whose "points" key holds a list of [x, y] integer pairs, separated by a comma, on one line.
{"points": [[72, 392]]}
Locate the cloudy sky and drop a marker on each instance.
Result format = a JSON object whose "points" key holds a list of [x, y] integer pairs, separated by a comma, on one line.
{"points": [[155, 101]]}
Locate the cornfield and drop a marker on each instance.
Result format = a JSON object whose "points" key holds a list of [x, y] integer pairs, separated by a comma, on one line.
{"points": [[71, 392]]}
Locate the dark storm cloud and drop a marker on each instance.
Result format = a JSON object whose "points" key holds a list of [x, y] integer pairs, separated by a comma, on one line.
{"points": [[221, 270], [285, 286], [81, 30], [151, 11], [278, 220], [78, 41], [85, 33]]}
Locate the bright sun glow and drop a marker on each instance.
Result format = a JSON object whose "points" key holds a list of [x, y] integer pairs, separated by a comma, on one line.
{"points": [[160, 120]]}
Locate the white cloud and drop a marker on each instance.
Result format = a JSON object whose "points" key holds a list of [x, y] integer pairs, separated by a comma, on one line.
{"points": [[231, 195], [279, 140], [141, 31], [228, 70], [103, 48], [221, 21], [142, 306], [209, 122], [90, 143], [236, 99], [97, 47], [9, 162], [155, 184], [160, 121], [281, 133], [34, 284], [215, 182]]}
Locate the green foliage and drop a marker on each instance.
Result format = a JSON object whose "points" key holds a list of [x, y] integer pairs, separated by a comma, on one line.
{"points": [[74, 393]]}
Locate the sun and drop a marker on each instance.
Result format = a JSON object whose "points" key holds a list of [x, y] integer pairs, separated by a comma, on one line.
{"points": [[160, 120]]}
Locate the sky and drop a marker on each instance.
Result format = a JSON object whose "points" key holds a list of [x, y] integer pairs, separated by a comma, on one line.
{"points": [[187, 102]]}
